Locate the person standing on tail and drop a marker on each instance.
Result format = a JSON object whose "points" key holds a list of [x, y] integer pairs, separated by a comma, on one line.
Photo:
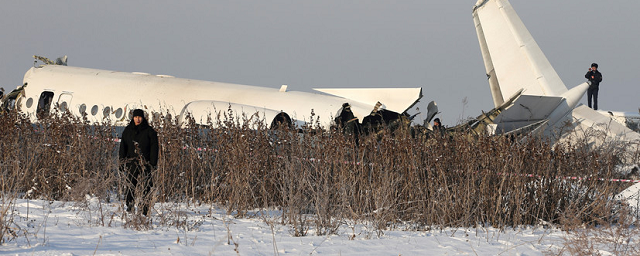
{"points": [[138, 156], [595, 77]]}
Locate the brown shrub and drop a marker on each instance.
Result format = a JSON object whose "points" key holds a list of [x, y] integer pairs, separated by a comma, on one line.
{"points": [[319, 178]]}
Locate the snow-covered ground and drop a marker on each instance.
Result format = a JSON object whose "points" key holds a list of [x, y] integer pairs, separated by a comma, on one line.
{"points": [[58, 228], [92, 228]]}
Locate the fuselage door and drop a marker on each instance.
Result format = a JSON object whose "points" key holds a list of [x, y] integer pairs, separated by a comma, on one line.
{"points": [[64, 101], [44, 104]]}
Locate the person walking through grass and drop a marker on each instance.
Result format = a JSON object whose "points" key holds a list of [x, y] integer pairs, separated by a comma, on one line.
{"points": [[138, 156]]}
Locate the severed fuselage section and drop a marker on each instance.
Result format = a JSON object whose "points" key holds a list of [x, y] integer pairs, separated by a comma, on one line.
{"points": [[110, 96]]}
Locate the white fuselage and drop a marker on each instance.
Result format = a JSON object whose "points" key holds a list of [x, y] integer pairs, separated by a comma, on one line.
{"points": [[110, 96]]}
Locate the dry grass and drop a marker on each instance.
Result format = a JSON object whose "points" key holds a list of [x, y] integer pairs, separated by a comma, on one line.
{"points": [[318, 178]]}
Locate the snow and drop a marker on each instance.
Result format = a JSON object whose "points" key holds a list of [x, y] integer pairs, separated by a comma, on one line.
{"points": [[93, 228]]}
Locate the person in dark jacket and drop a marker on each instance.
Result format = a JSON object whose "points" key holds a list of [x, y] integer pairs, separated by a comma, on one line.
{"points": [[138, 155], [438, 129], [595, 77]]}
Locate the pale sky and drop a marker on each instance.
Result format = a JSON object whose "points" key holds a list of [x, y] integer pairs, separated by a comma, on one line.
{"points": [[316, 44]]}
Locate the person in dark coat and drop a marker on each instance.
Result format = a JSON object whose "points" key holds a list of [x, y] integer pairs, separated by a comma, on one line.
{"points": [[138, 155], [595, 77], [438, 128]]}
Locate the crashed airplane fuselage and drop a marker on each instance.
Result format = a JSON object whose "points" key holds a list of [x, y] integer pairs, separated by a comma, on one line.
{"points": [[520, 75], [110, 96]]}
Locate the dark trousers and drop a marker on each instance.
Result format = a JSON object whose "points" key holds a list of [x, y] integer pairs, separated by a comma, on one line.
{"points": [[138, 175], [593, 93]]}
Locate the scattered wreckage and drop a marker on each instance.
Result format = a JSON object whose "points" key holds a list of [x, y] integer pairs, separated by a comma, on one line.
{"points": [[528, 94]]}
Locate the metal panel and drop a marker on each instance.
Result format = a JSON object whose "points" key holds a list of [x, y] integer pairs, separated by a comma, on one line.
{"points": [[529, 108]]}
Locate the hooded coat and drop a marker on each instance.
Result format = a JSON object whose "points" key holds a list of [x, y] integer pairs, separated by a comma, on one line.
{"points": [[139, 154], [147, 139]]}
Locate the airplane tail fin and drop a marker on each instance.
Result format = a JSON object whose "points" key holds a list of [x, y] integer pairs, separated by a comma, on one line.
{"points": [[513, 60]]}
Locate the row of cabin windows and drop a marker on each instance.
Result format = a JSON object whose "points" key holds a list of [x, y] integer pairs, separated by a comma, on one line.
{"points": [[46, 97], [44, 106]]}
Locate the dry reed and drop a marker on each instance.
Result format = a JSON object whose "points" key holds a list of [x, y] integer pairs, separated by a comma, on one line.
{"points": [[319, 179]]}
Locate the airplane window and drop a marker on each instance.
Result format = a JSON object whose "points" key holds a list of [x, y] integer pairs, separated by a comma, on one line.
{"points": [[94, 110], [83, 109], [29, 102], [119, 113], [106, 112], [63, 106]]}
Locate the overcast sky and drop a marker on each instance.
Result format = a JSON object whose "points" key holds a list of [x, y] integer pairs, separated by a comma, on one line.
{"points": [[314, 44]]}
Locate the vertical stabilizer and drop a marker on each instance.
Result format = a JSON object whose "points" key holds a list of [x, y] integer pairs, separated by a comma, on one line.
{"points": [[496, 93], [513, 59]]}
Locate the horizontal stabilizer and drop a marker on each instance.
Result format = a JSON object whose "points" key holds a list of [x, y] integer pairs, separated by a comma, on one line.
{"points": [[395, 99], [529, 108]]}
